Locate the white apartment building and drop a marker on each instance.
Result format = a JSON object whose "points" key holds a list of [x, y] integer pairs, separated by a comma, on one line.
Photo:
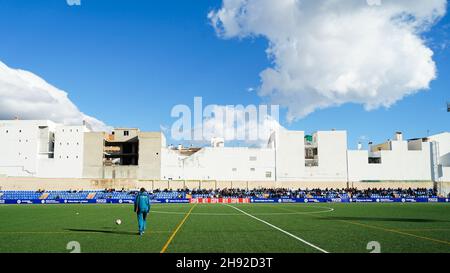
{"points": [[44, 149], [41, 148]]}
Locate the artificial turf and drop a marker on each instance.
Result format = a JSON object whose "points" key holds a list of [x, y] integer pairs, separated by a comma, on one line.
{"points": [[211, 228]]}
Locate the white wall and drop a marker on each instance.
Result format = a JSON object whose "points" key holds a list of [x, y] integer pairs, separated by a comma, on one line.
{"points": [[445, 174], [234, 164], [332, 149], [219, 163], [20, 146], [290, 156], [68, 154], [443, 141], [398, 164], [25, 146]]}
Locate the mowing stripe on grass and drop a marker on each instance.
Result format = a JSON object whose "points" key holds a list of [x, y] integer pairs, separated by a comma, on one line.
{"points": [[398, 231], [70, 232], [176, 230], [282, 230]]}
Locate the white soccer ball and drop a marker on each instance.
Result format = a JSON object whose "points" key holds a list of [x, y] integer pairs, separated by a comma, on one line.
{"points": [[118, 222]]}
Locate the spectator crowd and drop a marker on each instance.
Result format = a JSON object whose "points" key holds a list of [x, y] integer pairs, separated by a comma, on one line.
{"points": [[307, 193]]}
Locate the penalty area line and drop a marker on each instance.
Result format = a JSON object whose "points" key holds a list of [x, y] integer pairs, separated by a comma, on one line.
{"points": [[279, 229]]}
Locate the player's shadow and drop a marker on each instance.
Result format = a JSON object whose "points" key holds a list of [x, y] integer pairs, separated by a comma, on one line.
{"points": [[383, 219], [102, 231]]}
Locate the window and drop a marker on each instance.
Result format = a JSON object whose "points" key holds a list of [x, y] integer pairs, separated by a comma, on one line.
{"points": [[252, 158], [268, 174], [252, 169], [234, 169], [374, 160], [311, 156], [126, 133]]}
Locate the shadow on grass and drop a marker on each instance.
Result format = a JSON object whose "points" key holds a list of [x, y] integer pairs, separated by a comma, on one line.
{"points": [[383, 219], [102, 231]]}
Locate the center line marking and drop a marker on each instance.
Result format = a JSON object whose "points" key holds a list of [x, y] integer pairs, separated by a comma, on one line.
{"points": [[279, 229]]}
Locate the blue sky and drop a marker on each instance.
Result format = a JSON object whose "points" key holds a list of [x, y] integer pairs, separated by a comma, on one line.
{"points": [[129, 62]]}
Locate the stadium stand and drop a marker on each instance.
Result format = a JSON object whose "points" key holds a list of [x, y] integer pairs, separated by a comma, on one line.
{"points": [[222, 193]]}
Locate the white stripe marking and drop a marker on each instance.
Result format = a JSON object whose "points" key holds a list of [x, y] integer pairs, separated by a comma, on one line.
{"points": [[279, 229], [237, 213]]}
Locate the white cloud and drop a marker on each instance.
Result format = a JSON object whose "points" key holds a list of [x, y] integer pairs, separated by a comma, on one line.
{"points": [[327, 52], [249, 125], [73, 2], [27, 96]]}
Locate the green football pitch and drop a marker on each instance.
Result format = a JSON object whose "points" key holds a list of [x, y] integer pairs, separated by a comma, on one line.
{"points": [[236, 228]]}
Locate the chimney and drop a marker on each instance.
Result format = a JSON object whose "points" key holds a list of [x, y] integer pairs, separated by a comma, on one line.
{"points": [[398, 136]]}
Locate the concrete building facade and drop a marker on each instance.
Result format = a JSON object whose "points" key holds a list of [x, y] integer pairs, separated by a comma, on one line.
{"points": [[43, 149]]}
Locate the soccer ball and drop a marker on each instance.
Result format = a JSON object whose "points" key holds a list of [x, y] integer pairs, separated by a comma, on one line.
{"points": [[118, 222]]}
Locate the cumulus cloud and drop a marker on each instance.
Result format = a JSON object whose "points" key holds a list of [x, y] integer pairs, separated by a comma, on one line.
{"points": [[327, 53], [27, 96]]}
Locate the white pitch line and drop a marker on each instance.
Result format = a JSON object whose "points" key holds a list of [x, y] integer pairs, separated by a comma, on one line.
{"points": [[234, 214], [282, 230]]}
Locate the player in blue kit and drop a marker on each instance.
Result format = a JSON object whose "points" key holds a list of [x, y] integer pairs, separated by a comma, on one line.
{"points": [[142, 208]]}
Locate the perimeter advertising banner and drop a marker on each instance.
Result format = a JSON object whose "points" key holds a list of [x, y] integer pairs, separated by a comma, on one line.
{"points": [[227, 201], [219, 200], [86, 201]]}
